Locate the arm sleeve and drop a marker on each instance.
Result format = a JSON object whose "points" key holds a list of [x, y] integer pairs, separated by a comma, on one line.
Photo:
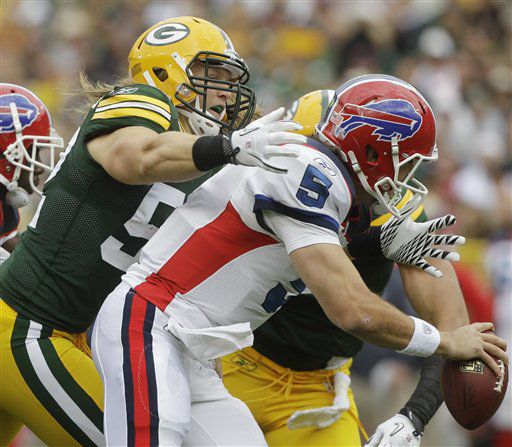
{"points": [[427, 397], [305, 206], [296, 234], [134, 105]]}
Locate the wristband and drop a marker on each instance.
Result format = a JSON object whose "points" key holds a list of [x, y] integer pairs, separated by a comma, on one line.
{"points": [[424, 341], [212, 151]]}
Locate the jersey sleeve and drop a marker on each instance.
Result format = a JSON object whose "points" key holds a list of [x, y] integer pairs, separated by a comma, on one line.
{"points": [[296, 234], [9, 221], [134, 105], [307, 204]]}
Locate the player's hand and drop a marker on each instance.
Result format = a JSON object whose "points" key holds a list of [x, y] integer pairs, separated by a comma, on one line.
{"points": [[263, 139], [398, 431], [408, 242], [469, 342]]}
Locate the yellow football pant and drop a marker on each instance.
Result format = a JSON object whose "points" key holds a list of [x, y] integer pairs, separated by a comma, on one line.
{"points": [[273, 393], [47, 383]]}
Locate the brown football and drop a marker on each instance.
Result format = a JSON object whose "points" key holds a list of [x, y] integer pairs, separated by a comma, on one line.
{"points": [[472, 392]]}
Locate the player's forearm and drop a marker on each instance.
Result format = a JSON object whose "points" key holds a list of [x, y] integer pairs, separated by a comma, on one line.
{"points": [[350, 305], [167, 157], [137, 155], [347, 301], [381, 324], [436, 300]]}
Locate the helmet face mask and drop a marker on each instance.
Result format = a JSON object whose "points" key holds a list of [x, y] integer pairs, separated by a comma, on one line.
{"points": [[168, 56], [239, 108], [26, 133], [383, 129], [390, 191]]}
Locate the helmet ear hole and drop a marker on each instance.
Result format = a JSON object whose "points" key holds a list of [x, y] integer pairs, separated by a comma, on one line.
{"points": [[372, 156], [161, 74]]}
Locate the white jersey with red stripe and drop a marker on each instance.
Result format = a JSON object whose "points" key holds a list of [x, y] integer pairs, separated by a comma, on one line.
{"points": [[225, 251]]}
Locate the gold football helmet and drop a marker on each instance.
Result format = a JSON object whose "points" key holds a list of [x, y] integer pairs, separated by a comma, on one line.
{"points": [[309, 109], [163, 56]]}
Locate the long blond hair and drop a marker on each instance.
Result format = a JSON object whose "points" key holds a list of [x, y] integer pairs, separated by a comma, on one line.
{"points": [[89, 92]]}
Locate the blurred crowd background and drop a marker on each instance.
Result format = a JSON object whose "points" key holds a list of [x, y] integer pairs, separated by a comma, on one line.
{"points": [[457, 53]]}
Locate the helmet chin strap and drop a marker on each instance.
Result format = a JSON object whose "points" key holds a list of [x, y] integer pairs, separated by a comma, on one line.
{"points": [[385, 202], [200, 126]]}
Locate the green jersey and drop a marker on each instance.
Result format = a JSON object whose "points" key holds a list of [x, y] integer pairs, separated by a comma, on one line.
{"points": [[301, 337], [89, 227]]}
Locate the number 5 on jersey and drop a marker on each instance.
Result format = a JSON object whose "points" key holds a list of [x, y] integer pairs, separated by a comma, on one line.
{"points": [[314, 188]]}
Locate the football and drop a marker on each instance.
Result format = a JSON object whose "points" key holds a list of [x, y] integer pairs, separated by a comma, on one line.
{"points": [[472, 392]]}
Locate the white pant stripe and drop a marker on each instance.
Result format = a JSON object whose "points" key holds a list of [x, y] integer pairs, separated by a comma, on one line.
{"points": [[49, 381]]}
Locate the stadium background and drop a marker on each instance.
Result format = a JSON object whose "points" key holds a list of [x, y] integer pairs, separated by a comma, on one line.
{"points": [[458, 53]]}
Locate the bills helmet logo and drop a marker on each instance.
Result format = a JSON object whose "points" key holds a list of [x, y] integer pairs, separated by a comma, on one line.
{"points": [[389, 118], [27, 112]]}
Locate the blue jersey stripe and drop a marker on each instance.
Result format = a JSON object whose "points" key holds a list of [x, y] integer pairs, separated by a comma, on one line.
{"points": [[298, 285], [262, 202]]}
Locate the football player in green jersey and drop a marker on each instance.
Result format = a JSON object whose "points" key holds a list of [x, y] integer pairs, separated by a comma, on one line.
{"points": [[296, 376], [115, 184]]}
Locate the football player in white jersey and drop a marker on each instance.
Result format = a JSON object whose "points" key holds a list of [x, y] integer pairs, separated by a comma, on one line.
{"points": [[296, 381], [224, 262]]}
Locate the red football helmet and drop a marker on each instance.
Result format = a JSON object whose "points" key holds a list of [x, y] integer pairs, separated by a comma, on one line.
{"points": [[382, 128], [25, 129]]}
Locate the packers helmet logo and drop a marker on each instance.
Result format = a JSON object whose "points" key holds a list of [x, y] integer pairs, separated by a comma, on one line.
{"points": [[166, 34], [473, 366]]}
